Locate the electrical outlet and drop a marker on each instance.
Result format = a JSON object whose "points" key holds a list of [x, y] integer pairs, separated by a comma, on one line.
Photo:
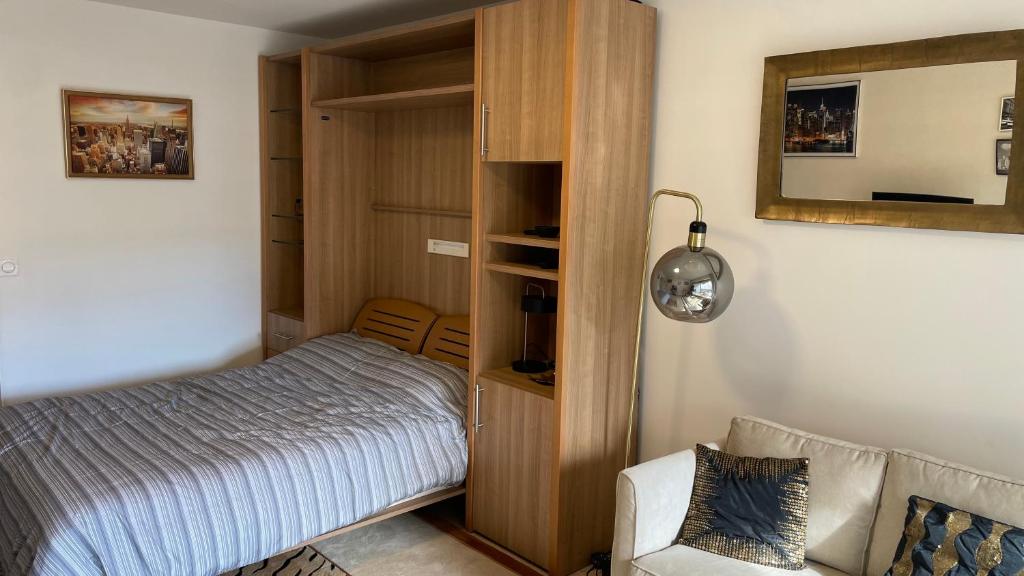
{"points": [[448, 248], [8, 267]]}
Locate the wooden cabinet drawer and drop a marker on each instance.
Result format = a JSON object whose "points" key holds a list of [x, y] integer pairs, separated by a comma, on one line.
{"points": [[512, 469], [284, 332]]}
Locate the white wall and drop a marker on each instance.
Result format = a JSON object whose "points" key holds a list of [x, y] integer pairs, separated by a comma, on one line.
{"points": [[929, 130], [125, 281], [886, 336]]}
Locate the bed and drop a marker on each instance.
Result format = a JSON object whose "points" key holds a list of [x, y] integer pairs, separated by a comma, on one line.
{"points": [[205, 474]]}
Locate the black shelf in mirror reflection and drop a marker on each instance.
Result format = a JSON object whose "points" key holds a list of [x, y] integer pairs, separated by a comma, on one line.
{"points": [[905, 197]]}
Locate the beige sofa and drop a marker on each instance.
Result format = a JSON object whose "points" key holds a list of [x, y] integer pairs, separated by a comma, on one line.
{"points": [[857, 504]]}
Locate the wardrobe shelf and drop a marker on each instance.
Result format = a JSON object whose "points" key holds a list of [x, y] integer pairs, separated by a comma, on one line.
{"points": [[408, 100], [293, 313], [441, 33], [519, 380], [520, 239], [528, 270]]}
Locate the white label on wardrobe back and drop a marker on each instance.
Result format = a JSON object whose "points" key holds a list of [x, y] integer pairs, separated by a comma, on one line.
{"points": [[448, 248]]}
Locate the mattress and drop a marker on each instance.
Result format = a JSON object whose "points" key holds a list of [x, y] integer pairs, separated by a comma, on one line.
{"points": [[204, 474]]}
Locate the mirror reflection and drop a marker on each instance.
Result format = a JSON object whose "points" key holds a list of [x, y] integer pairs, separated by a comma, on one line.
{"points": [[933, 134]]}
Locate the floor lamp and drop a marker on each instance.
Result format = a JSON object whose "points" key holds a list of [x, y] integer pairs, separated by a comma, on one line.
{"points": [[690, 283]]}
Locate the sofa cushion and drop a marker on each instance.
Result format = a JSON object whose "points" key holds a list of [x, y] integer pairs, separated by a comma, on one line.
{"points": [[845, 484], [682, 560], [938, 538], [751, 509], [910, 474]]}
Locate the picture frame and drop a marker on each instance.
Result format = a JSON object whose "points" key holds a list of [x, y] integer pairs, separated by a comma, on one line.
{"points": [[113, 135], [1003, 157], [821, 120], [1007, 108]]}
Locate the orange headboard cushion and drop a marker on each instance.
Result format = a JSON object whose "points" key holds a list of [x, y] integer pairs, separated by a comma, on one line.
{"points": [[401, 323], [448, 341]]}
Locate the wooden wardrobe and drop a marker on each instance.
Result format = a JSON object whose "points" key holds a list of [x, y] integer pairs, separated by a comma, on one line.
{"points": [[366, 154], [473, 128]]}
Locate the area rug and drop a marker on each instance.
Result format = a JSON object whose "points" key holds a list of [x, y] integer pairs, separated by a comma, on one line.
{"points": [[304, 562]]}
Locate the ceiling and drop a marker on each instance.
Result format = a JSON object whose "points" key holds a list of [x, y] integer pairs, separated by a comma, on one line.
{"points": [[323, 18]]}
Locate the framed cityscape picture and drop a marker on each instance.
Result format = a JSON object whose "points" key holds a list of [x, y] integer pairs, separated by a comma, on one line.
{"points": [[821, 120], [127, 136]]}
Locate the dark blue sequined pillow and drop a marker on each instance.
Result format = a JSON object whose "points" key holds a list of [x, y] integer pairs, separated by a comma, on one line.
{"points": [[750, 509], [939, 540]]}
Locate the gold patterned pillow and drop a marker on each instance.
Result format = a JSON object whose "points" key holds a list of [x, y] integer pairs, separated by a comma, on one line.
{"points": [[750, 509], [940, 540]]}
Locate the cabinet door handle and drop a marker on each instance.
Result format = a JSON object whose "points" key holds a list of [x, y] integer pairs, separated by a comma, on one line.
{"points": [[283, 336], [476, 410], [484, 111]]}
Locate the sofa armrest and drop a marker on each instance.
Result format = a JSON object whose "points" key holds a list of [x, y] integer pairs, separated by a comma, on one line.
{"points": [[651, 500]]}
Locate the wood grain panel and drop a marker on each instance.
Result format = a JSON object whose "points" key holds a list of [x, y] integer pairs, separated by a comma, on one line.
{"points": [[520, 196], [527, 270], [431, 35], [283, 264], [446, 68], [520, 239], [282, 84], [424, 160], [404, 269], [479, 229], [511, 473], [285, 133], [280, 186], [604, 193], [419, 210], [523, 79], [964, 48], [339, 170], [515, 379], [410, 100], [329, 77]]}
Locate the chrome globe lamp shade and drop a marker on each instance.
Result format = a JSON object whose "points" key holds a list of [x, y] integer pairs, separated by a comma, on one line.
{"points": [[689, 283]]}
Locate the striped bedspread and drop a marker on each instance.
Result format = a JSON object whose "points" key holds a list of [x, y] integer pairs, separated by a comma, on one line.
{"points": [[205, 474]]}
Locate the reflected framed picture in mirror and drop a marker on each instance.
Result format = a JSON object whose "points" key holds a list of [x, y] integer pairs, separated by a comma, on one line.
{"points": [[1003, 157], [894, 135], [821, 119], [1006, 112]]}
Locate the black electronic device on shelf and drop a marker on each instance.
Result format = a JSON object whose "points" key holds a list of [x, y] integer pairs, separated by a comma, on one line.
{"points": [[544, 231]]}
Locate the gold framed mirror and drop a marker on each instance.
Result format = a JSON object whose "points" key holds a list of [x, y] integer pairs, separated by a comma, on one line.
{"points": [[913, 134]]}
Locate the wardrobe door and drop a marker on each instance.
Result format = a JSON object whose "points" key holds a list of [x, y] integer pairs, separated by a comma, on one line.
{"points": [[512, 469], [523, 80]]}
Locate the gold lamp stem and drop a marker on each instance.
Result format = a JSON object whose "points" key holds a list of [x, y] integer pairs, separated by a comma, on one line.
{"points": [[696, 242]]}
